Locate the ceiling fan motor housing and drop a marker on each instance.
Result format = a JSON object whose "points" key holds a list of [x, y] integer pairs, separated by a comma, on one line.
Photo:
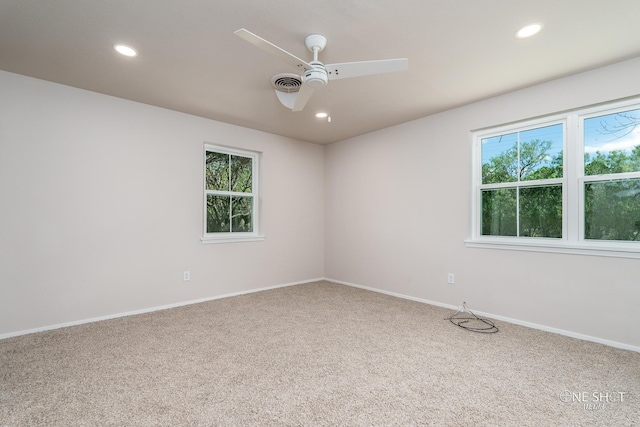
{"points": [[316, 76]]}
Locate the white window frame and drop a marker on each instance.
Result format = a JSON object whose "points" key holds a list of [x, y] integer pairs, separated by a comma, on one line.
{"points": [[573, 182], [231, 237]]}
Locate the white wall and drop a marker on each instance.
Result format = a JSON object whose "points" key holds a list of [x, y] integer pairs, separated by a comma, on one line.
{"points": [[101, 207], [100, 212], [397, 214]]}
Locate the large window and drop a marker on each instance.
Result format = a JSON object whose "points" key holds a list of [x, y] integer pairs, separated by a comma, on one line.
{"points": [[568, 183], [230, 195]]}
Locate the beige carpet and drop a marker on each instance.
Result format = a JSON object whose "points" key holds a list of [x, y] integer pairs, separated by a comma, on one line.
{"points": [[316, 354]]}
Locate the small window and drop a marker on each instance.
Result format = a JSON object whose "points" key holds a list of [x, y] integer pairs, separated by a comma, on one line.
{"points": [[230, 195]]}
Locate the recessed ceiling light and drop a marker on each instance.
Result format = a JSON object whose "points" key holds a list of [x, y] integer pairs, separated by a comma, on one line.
{"points": [[321, 115], [528, 31], [125, 50]]}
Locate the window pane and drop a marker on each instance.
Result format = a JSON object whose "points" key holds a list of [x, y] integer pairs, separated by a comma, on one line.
{"points": [[217, 171], [218, 214], [612, 143], [500, 159], [612, 210], [241, 174], [523, 156], [241, 212], [541, 153], [541, 211], [499, 212]]}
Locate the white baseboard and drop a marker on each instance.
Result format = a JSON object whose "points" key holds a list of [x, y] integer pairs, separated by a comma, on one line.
{"points": [[148, 310], [497, 317], [394, 294]]}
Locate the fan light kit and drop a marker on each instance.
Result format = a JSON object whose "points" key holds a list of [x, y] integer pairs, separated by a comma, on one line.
{"points": [[315, 74]]}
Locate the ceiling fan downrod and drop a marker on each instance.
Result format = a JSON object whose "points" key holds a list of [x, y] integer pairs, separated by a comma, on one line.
{"points": [[317, 76]]}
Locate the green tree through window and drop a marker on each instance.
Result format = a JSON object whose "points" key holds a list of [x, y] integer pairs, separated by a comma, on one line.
{"points": [[230, 191], [611, 164], [532, 207], [563, 183]]}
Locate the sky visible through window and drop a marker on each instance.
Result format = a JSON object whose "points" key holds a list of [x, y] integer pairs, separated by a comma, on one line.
{"points": [[612, 132], [522, 178], [497, 146]]}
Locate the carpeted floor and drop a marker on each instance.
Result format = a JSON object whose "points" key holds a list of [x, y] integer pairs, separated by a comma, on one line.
{"points": [[318, 354]]}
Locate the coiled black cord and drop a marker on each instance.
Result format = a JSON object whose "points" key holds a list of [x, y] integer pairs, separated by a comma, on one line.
{"points": [[487, 327]]}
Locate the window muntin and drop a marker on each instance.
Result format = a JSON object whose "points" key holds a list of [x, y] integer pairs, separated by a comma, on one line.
{"points": [[582, 197], [231, 196]]}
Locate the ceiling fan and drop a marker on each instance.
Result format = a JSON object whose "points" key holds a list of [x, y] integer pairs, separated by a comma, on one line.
{"points": [[315, 74]]}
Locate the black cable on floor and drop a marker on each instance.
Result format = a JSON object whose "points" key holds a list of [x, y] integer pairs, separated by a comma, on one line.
{"points": [[488, 326]]}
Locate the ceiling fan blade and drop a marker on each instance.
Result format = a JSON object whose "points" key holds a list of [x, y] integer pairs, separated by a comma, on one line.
{"points": [[304, 94], [366, 68], [273, 50]]}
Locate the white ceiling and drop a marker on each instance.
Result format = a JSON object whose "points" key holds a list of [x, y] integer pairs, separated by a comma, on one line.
{"points": [[459, 51]]}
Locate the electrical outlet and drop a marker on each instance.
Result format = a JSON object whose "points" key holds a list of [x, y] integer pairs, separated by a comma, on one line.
{"points": [[451, 278], [186, 276]]}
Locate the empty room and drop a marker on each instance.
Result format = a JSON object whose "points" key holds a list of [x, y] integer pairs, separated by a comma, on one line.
{"points": [[359, 213]]}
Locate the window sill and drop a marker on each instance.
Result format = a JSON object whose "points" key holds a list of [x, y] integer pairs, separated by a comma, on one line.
{"points": [[604, 249], [231, 239]]}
